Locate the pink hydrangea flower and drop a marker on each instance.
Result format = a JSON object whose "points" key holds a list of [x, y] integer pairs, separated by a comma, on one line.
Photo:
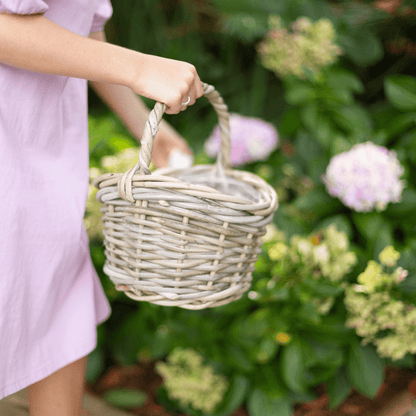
{"points": [[252, 139], [365, 178]]}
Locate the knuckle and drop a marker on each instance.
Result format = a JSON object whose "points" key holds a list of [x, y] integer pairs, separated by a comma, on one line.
{"points": [[192, 69], [176, 98], [183, 88], [190, 77]]}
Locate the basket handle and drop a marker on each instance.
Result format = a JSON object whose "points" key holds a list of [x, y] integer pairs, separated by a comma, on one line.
{"points": [[152, 126]]}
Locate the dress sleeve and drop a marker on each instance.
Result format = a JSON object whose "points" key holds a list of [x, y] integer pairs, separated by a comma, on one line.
{"points": [[102, 13], [23, 6]]}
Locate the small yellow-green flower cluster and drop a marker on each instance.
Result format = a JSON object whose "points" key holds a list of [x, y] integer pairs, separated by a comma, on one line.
{"points": [[326, 254], [118, 163], [192, 383], [372, 310], [377, 275], [309, 47]]}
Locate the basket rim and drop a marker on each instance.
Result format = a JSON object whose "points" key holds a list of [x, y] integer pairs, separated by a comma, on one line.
{"points": [[161, 179]]}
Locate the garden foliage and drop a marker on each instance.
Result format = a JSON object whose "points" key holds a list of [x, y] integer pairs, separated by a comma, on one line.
{"points": [[328, 262]]}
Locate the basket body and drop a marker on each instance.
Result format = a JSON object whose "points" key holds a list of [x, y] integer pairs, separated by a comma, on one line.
{"points": [[180, 244], [175, 243]]}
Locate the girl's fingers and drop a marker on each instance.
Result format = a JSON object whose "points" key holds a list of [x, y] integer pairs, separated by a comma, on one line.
{"points": [[167, 81], [185, 101], [188, 91], [195, 92], [199, 91]]}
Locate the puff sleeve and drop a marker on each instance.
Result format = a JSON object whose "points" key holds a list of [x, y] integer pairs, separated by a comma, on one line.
{"points": [[23, 6], [102, 13]]}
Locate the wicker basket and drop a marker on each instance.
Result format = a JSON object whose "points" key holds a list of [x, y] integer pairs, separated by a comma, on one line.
{"points": [[176, 243]]}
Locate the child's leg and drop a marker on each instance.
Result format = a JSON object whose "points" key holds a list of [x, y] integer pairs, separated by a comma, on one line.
{"points": [[60, 393]]}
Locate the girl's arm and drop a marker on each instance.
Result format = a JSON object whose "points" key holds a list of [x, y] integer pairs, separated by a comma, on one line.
{"points": [[35, 43], [134, 114]]}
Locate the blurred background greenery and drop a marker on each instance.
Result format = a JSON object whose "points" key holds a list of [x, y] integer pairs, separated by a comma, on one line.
{"points": [[282, 341]]}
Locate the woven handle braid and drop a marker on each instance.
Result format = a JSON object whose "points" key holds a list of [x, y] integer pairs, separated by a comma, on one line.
{"points": [[151, 129]]}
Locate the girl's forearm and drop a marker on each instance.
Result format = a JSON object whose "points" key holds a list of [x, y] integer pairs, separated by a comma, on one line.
{"points": [[37, 44], [132, 111], [122, 100]]}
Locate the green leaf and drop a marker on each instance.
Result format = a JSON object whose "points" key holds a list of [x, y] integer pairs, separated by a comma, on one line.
{"points": [[237, 358], [326, 354], [306, 148], [247, 27], [408, 285], [316, 170], [307, 313], [340, 79], [267, 349], [299, 94], [365, 369], [401, 91], [401, 124], [257, 323], [260, 404], [126, 398], [95, 365], [326, 289], [168, 404], [320, 374], [266, 378], [318, 124], [384, 238], [249, 6], [331, 330], [234, 397], [290, 122], [338, 388], [340, 145], [292, 367], [408, 361], [369, 224], [405, 207], [354, 119], [121, 142], [319, 202], [127, 341], [362, 46]]}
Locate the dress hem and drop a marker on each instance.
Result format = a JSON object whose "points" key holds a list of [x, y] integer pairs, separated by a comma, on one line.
{"points": [[52, 366]]}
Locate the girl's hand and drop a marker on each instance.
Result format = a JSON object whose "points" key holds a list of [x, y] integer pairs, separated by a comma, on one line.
{"points": [[164, 147], [167, 81]]}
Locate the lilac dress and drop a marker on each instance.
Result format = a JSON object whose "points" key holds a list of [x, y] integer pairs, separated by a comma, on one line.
{"points": [[50, 297]]}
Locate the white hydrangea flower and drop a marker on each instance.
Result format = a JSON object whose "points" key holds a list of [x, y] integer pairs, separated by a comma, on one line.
{"points": [[365, 178]]}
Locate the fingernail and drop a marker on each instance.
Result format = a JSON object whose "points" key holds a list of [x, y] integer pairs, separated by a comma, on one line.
{"points": [[180, 160]]}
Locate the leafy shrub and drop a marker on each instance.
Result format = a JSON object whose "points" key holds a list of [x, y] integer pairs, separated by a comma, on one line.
{"points": [[377, 310], [282, 340]]}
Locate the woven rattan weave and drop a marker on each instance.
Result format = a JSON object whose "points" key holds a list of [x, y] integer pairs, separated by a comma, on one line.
{"points": [[176, 243]]}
